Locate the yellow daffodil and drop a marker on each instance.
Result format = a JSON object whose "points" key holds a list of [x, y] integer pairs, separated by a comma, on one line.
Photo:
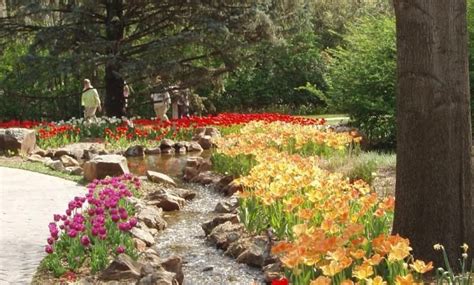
{"points": [[421, 267]]}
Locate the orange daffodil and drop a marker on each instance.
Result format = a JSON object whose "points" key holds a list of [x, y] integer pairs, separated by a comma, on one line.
{"points": [[335, 228]]}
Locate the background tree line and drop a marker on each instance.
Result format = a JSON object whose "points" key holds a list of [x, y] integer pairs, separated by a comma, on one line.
{"points": [[300, 57]]}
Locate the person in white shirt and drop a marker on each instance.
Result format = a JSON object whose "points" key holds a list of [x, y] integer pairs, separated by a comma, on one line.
{"points": [[161, 104]]}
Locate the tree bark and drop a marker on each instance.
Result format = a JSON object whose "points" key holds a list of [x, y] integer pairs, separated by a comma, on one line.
{"points": [[434, 197], [114, 83]]}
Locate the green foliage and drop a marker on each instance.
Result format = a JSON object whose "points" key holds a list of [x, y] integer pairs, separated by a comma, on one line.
{"points": [[239, 165], [362, 77], [272, 80], [112, 41]]}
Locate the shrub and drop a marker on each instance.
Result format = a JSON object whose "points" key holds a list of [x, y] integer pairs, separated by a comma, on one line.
{"points": [[362, 77], [270, 83]]}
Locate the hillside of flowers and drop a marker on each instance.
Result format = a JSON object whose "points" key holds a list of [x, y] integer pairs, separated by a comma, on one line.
{"points": [[331, 230], [119, 133]]}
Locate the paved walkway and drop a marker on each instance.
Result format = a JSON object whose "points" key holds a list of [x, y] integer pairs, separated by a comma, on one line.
{"points": [[28, 201]]}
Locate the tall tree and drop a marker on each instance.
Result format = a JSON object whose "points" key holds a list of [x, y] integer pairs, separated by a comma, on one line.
{"points": [[434, 198], [179, 40]]}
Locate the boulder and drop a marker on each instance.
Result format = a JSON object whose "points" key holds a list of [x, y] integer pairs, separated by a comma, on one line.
{"points": [[181, 144], [68, 161], [159, 277], [223, 182], [190, 173], [168, 151], [18, 140], [39, 151], [194, 147], [174, 264], [136, 150], [181, 150], [105, 165], [272, 272], [150, 256], [35, 158], [143, 235], [54, 165], [205, 165], [255, 255], [193, 161], [201, 131], [166, 201], [152, 151], [236, 248], [152, 217], [123, 267], [210, 225], [183, 193], [140, 245], [60, 152], [206, 177], [167, 143], [212, 131], [205, 142], [158, 177], [225, 207], [225, 234], [74, 170], [232, 188]]}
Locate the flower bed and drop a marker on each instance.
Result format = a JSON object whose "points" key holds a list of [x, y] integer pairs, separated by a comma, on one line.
{"points": [[331, 230], [122, 133], [94, 228]]}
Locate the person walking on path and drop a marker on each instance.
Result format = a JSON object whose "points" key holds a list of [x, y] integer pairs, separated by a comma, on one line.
{"points": [[161, 103], [90, 100], [183, 104]]}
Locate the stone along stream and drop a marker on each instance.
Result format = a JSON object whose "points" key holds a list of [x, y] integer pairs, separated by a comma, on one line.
{"points": [[202, 263]]}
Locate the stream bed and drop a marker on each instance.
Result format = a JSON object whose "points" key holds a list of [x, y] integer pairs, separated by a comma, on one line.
{"points": [[202, 262]]}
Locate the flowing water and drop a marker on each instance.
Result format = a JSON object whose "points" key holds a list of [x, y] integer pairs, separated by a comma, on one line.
{"points": [[202, 262]]}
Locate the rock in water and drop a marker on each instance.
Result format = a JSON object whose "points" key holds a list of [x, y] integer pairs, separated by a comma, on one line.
{"points": [[208, 226], [152, 151], [166, 201], [174, 264], [205, 142], [136, 150], [158, 177]]}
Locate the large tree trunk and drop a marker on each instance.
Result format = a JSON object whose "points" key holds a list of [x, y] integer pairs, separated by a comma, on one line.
{"points": [[114, 100], [434, 197]]}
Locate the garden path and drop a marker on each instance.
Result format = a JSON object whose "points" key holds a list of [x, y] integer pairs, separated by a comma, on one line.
{"points": [[28, 201]]}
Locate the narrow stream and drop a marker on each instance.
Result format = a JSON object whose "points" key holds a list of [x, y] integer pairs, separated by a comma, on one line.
{"points": [[203, 263]]}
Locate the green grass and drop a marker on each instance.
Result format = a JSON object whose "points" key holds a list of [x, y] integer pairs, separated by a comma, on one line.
{"points": [[40, 168], [331, 119], [327, 116], [360, 166]]}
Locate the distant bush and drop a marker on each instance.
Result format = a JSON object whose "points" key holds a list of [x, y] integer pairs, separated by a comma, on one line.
{"points": [[271, 81], [361, 77]]}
